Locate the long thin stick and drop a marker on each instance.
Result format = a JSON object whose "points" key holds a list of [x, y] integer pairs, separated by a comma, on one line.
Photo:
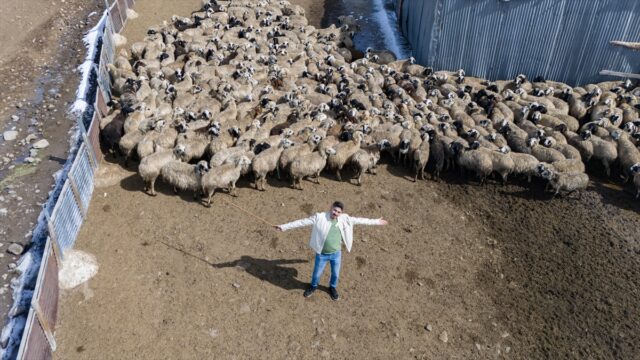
{"points": [[248, 213]]}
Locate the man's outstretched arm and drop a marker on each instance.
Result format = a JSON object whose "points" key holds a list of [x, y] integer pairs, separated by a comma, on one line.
{"points": [[365, 221], [296, 224]]}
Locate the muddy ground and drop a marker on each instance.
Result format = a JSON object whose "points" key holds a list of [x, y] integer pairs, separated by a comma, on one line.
{"points": [[41, 48], [504, 271]]}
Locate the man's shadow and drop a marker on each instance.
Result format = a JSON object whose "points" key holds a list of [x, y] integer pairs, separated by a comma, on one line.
{"points": [[263, 269], [269, 270]]}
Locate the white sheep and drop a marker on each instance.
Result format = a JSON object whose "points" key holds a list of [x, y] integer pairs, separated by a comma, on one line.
{"points": [[266, 162], [222, 155], [150, 166], [344, 151], [223, 177], [184, 176], [635, 170], [469, 159], [543, 153], [291, 153], [309, 165], [421, 157], [565, 182], [628, 153], [523, 164], [366, 159], [501, 163], [603, 150]]}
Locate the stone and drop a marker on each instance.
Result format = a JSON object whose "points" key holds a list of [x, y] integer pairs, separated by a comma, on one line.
{"points": [[10, 135], [40, 144], [244, 309], [428, 327], [236, 285], [15, 249], [29, 160], [444, 337], [15, 117], [4, 212], [30, 138]]}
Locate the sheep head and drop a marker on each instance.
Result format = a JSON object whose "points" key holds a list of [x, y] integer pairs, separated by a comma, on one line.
{"points": [[202, 167], [533, 141]]}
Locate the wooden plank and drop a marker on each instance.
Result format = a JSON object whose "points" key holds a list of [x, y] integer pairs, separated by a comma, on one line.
{"points": [[48, 333], [627, 44], [54, 238], [76, 195], [34, 344], [620, 74]]}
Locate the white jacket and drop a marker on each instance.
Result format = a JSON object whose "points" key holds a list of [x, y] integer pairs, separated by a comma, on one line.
{"points": [[322, 223]]}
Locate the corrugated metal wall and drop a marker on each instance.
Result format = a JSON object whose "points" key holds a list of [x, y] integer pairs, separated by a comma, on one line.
{"points": [[564, 40]]}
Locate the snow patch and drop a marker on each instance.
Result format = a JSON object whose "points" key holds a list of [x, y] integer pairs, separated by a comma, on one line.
{"points": [[77, 268]]}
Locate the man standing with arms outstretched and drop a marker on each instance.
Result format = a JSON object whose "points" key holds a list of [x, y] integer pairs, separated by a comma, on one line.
{"points": [[330, 230]]}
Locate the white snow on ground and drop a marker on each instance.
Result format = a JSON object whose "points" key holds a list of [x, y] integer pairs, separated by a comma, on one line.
{"points": [[76, 268], [90, 40]]}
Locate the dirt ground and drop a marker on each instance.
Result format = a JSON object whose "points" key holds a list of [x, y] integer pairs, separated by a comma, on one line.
{"points": [[496, 271], [41, 48], [504, 271]]}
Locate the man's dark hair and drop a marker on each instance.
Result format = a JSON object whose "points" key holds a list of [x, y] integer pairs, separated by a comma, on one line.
{"points": [[338, 204]]}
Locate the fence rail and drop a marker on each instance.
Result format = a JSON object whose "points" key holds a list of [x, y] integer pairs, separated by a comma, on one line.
{"points": [[69, 210]]}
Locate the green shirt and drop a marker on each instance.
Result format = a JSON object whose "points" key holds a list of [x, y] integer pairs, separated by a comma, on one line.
{"points": [[334, 239]]}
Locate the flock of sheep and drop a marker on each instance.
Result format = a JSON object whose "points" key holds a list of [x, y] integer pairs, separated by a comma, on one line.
{"points": [[248, 87]]}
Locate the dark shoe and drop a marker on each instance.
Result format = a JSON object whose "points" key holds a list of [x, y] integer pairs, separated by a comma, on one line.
{"points": [[309, 291], [334, 294]]}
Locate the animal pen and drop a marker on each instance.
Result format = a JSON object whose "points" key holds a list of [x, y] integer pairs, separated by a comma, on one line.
{"points": [[29, 334], [485, 38]]}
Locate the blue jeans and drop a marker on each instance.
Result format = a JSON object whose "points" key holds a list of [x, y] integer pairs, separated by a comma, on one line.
{"points": [[318, 268]]}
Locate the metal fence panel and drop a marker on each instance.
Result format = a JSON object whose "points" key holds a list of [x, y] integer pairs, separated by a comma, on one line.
{"points": [[82, 174], [122, 5], [37, 341], [45, 295], [94, 136], [108, 46], [66, 219], [116, 20], [104, 80], [34, 344], [101, 103], [564, 40]]}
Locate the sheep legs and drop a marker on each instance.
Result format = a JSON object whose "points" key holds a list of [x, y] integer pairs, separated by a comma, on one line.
{"points": [[338, 175], [606, 167], [209, 196], [260, 182], [233, 190], [150, 187]]}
